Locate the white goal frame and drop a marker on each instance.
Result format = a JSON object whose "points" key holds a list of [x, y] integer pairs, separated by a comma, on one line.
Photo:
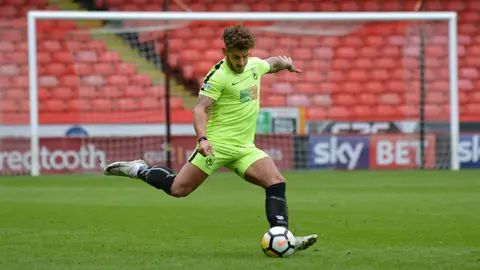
{"points": [[451, 17]]}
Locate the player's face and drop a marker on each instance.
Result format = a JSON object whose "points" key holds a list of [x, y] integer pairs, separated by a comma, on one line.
{"points": [[236, 59]]}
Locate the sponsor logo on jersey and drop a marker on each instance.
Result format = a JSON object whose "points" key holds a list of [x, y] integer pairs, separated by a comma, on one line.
{"points": [[249, 94]]}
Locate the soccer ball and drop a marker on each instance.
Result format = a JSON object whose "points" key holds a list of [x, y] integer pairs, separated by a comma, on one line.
{"points": [[278, 242]]}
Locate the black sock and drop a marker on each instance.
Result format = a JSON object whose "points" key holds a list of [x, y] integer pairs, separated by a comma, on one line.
{"points": [[276, 205], [158, 177]]}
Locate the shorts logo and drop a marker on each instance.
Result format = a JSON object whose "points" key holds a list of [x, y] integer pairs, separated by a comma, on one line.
{"points": [[210, 160]]}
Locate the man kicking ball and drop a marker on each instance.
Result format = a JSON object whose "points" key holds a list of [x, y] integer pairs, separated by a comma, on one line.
{"points": [[225, 119]]}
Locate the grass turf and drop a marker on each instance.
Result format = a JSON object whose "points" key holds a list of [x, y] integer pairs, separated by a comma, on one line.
{"points": [[365, 220]]}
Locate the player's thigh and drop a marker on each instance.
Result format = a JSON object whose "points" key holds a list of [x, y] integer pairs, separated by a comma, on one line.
{"points": [[194, 172], [257, 168], [187, 180]]}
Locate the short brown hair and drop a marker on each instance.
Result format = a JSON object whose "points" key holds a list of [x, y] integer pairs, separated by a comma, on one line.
{"points": [[238, 37]]}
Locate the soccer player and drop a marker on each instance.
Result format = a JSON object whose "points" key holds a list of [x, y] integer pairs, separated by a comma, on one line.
{"points": [[225, 119]]}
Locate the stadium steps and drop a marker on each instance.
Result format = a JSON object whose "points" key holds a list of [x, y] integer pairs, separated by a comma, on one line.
{"points": [[128, 55], [69, 5], [144, 67]]}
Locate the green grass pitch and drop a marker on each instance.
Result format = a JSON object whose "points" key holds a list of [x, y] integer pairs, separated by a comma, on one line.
{"points": [[365, 220]]}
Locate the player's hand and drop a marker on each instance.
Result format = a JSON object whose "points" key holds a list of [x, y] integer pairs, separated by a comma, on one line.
{"points": [[291, 66], [205, 148]]}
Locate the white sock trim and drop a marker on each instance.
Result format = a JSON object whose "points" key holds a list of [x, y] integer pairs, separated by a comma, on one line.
{"points": [[134, 170]]}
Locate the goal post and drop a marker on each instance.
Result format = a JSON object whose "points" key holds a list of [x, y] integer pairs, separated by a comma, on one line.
{"points": [[450, 17]]}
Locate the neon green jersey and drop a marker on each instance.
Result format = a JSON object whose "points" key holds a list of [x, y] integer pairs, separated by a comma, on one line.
{"points": [[233, 118]]}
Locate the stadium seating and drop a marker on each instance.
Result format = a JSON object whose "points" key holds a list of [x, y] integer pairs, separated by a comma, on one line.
{"points": [[79, 79], [356, 76], [365, 80]]}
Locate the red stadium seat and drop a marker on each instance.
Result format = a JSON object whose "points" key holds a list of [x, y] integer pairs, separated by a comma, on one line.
{"points": [[9, 70], [62, 93], [56, 69], [283, 88], [297, 100], [285, 6], [47, 81], [80, 69], [43, 93], [134, 91], [73, 81], [87, 92], [86, 57], [260, 7], [114, 80], [80, 105], [317, 113], [344, 100], [389, 99], [125, 69], [8, 106], [6, 46], [352, 87], [176, 103], [322, 100], [8, 12], [156, 91], [274, 101], [473, 109], [328, 6], [362, 112], [95, 45], [50, 46], [149, 103], [55, 105], [109, 57], [12, 35], [126, 104], [100, 104], [349, 6], [339, 113], [111, 92], [367, 99], [99, 80], [105, 69], [306, 88]]}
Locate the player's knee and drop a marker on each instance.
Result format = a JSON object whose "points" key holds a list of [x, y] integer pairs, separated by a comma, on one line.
{"points": [[180, 191], [277, 179]]}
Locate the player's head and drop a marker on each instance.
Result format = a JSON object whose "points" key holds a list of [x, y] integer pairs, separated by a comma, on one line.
{"points": [[238, 42]]}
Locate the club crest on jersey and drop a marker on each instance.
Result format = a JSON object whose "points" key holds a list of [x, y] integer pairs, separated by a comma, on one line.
{"points": [[249, 94], [255, 74]]}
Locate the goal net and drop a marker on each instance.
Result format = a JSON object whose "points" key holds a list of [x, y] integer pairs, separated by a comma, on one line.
{"points": [[358, 104]]}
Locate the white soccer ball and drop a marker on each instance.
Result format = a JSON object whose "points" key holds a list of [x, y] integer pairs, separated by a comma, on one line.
{"points": [[278, 242]]}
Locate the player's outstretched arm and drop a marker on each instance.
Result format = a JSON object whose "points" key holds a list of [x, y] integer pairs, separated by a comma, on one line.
{"points": [[201, 114], [279, 63]]}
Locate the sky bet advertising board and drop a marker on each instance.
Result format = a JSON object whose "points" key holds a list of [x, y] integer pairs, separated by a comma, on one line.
{"points": [[469, 151], [369, 152]]}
